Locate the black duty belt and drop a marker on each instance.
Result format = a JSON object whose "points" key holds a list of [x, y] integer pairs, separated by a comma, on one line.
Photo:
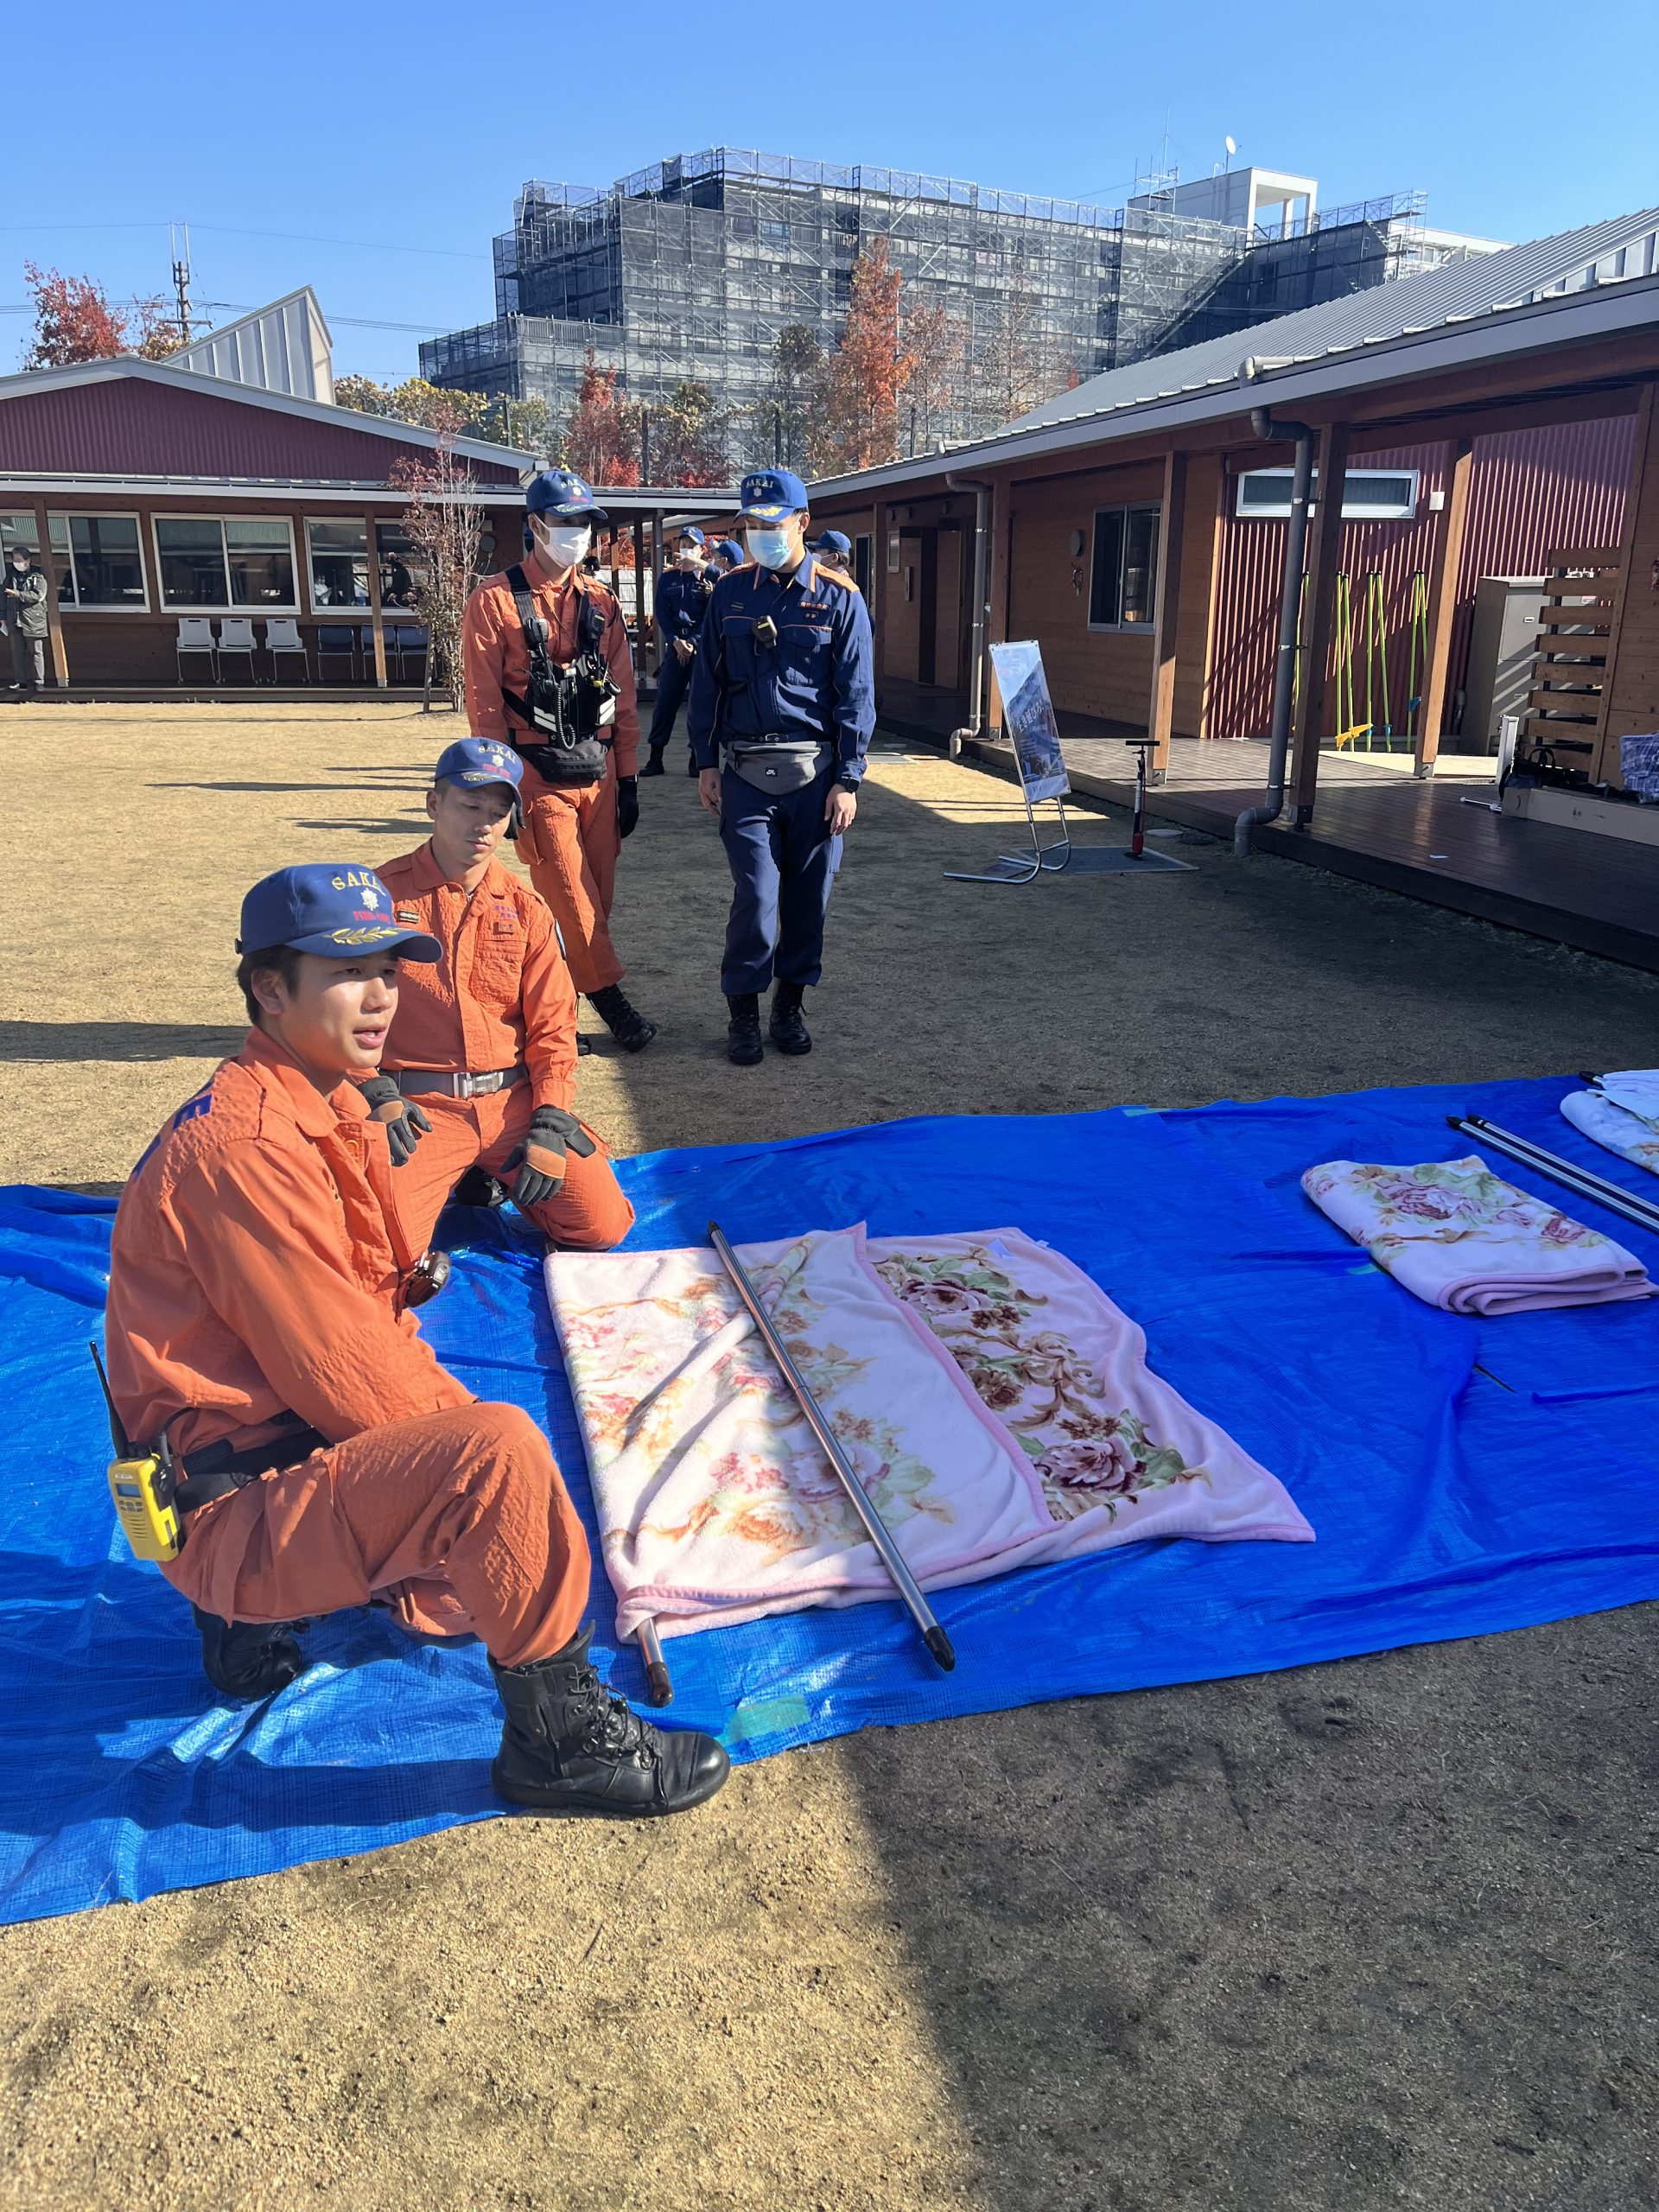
{"points": [[455, 1082], [216, 1469]]}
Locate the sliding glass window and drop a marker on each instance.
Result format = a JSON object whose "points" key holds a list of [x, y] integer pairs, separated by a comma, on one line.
{"points": [[97, 562], [225, 560], [340, 563]]}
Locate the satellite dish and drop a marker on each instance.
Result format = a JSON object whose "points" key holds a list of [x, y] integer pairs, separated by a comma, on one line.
{"points": [[1231, 145]]}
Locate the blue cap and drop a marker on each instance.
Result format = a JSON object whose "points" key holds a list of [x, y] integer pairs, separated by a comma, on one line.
{"points": [[693, 533], [833, 541], [471, 761], [557, 492], [337, 910], [731, 551], [769, 494]]}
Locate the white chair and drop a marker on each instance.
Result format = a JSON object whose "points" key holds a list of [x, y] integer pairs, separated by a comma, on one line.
{"points": [[196, 636], [285, 637], [236, 637]]}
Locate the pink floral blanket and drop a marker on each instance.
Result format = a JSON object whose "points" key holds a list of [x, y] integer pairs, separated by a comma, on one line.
{"points": [[996, 1404], [1460, 1237]]}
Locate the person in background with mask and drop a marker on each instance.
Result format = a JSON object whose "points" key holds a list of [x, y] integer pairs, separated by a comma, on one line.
{"points": [[24, 602], [783, 706], [578, 800], [681, 600], [835, 550], [727, 555]]}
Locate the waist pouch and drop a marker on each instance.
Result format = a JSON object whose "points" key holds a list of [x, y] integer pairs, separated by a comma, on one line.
{"points": [[778, 764]]}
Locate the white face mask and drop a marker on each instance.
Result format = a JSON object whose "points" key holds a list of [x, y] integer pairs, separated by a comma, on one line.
{"points": [[770, 548], [562, 544]]}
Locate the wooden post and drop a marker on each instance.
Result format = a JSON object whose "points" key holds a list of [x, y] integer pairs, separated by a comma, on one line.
{"points": [[1644, 468], [377, 617], [1442, 603], [1325, 558], [54, 612], [879, 593], [640, 633], [1166, 607]]}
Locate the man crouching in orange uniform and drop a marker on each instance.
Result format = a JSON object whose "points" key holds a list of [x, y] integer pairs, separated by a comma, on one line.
{"points": [[258, 1318], [480, 1068]]}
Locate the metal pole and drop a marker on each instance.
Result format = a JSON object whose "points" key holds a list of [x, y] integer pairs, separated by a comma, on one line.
{"points": [[875, 1527], [658, 1680], [1579, 1180]]}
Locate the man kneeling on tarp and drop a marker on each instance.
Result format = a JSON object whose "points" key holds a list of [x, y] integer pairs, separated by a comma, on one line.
{"points": [[479, 1067], [258, 1318]]}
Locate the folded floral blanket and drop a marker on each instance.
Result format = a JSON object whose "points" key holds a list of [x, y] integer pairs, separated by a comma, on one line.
{"points": [[1622, 1113], [1460, 1237], [996, 1404]]}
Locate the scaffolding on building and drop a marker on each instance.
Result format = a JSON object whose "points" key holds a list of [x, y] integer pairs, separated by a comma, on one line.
{"points": [[690, 271]]}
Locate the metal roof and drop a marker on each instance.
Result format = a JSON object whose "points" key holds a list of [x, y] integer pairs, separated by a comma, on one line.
{"points": [[1574, 261], [29, 382]]}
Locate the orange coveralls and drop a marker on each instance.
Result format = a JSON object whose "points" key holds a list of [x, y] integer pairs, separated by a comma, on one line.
{"points": [[570, 842], [256, 1269], [500, 996]]}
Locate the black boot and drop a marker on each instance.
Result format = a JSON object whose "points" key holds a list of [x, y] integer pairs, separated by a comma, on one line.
{"points": [[654, 765], [629, 1026], [570, 1746], [692, 767], [743, 1046], [478, 1187], [248, 1659], [787, 1027]]}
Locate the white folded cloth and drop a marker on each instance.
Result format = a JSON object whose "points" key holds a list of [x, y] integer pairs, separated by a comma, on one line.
{"points": [[1621, 1114]]}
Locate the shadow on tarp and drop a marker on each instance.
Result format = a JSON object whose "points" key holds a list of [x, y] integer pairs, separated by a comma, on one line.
{"points": [[1462, 1476]]}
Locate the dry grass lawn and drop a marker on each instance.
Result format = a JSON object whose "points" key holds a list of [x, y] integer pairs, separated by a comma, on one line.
{"points": [[1357, 1937]]}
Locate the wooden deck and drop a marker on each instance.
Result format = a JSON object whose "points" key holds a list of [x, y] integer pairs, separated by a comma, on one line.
{"points": [[1373, 823]]}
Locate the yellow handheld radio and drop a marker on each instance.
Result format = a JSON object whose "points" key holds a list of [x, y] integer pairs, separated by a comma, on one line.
{"points": [[142, 1485]]}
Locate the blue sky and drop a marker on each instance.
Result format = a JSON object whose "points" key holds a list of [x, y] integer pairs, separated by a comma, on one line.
{"points": [[386, 146]]}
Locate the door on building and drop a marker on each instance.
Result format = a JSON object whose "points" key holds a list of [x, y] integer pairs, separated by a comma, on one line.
{"points": [[948, 611]]}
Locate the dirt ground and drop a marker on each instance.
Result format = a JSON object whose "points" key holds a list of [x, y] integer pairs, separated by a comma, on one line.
{"points": [[1360, 1935]]}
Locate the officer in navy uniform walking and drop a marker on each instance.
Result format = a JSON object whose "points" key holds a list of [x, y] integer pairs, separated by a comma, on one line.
{"points": [[681, 601], [782, 705]]}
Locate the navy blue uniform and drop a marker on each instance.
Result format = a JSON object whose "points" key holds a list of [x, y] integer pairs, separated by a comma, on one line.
{"points": [[681, 600], [816, 685]]}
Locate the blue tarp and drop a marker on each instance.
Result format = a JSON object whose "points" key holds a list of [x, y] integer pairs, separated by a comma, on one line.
{"points": [[1462, 1476]]}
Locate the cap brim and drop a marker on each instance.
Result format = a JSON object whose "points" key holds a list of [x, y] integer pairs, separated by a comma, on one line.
{"points": [[472, 779], [380, 936], [766, 514], [574, 514]]}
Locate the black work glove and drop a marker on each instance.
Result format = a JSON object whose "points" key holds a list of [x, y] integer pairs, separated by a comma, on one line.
{"points": [[403, 1121], [540, 1159], [627, 805]]}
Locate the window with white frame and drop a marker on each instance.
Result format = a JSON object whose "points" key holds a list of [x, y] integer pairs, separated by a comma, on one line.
{"points": [[339, 552], [1368, 494], [98, 563], [19, 529], [225, 561], [404, 569], [1123, 576]]}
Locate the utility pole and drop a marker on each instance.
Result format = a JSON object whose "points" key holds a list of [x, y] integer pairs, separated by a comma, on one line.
{"points": [[181, 276]]}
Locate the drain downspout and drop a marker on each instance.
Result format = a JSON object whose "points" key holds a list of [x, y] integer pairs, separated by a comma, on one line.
{"points": [[982, 570], [1284, 670]]}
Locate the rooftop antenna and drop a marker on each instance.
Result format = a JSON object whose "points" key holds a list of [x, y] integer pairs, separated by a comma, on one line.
{"points": [[178, 237]]}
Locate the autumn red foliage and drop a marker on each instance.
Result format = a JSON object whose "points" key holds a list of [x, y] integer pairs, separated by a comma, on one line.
{"points": [[74, 321], [602, 438], [870, 369]]}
